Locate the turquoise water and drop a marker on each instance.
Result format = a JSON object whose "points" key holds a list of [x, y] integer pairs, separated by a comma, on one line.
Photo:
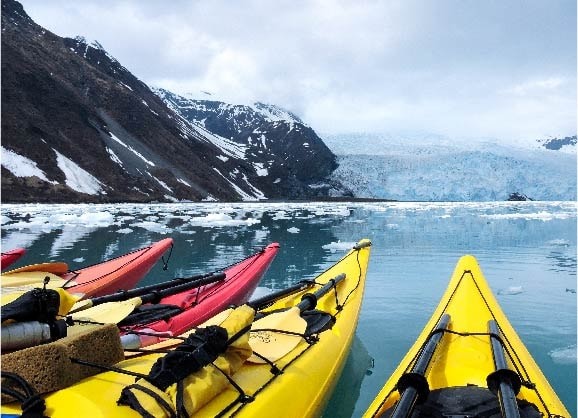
{"points": [[527, 251]]}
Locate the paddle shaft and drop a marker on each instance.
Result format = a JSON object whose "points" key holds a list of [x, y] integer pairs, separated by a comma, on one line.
{"points": [[194, 281], [408, 398], [157, 295], [506, 394]]}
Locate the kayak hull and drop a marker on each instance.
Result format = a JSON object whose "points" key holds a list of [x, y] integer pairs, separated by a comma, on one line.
{"points": [[309, 371], [10, 257], [200, 304], [122, 272], [464, 358], [100, 279]]}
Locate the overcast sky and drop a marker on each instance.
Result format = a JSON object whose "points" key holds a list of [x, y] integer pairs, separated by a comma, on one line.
{"points": [[482, 68]]}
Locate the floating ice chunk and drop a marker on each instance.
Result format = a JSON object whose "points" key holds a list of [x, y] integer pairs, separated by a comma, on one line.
{"points": [[78, 260], [281, 214], [559, 242], [5, 219], [293, 230], [564, 355], [512, 290], [339, 246], [124, 231], [88, 219], [222, 220], [36, 223], [333, 211], [538, 216], [152, 226]]}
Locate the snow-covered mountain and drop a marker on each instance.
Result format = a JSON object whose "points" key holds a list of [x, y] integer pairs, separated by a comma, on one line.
{"points": [[435, 168], [77, 126], [278, 144]]}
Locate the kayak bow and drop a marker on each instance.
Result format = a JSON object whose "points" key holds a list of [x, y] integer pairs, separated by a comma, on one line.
{"points": [[468, 361]]}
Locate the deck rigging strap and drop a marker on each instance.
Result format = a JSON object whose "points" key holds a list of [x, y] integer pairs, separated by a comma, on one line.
{"points": [[166, 263], [16, 386]]}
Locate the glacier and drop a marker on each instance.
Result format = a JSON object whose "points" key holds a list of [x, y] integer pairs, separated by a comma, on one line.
{"points": [[426, 167]]}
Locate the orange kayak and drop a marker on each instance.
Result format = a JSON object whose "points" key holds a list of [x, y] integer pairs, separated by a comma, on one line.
{"points": [[118, 273]]}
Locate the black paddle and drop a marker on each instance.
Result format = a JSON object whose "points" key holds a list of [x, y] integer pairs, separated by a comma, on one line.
{"points": [[180, 283]]}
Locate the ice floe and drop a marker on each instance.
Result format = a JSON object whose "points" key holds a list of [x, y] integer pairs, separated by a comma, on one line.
{"points": [[293, 230], [559, 243], [564, 355], [537, 216], [152, 226], [512, 290], [221, 220], [338, 246]]}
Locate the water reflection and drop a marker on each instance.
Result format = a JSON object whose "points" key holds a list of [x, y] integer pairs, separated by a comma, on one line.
{"points": [[527, 251], [563, 263], [358, 365]]}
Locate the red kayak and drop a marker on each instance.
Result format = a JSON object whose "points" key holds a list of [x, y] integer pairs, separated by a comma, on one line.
{"points": [[9, 257], [189, 308], [118, 273]]}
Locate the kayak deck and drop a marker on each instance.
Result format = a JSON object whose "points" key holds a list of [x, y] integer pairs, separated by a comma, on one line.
{"points": [[199, 304], [464, 356], [466, 401], [297, 384]]}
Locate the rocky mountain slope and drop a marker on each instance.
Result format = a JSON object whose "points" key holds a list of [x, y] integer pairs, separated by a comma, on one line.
{"points": [[79, 127], [277, 143]]}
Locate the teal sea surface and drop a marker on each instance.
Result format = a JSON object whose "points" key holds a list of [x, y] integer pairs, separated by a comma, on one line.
{"points": [[527, 251]]}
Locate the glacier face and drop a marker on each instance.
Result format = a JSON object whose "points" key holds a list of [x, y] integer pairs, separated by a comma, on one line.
{"points": [[423, 167]]}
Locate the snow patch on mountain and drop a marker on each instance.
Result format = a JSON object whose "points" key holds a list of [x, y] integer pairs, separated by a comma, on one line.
{"points": [[131, 149], [21, 166], [77, 178]]}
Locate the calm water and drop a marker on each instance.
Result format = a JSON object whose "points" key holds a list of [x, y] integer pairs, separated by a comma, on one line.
{"points": [[527, 251]]}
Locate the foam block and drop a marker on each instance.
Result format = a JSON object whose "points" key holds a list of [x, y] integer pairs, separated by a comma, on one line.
{"points": [[49, 367]]}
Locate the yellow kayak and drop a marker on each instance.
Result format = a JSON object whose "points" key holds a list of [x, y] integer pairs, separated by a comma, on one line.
{"points": [[298, 347], [467, 362]]}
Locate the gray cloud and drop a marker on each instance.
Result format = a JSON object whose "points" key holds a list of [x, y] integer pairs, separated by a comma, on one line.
{"points": [[459, 67]]}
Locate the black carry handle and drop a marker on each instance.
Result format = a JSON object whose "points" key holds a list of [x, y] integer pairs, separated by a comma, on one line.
{"points": [[309, 300], [413, 386], [505, 383]]}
